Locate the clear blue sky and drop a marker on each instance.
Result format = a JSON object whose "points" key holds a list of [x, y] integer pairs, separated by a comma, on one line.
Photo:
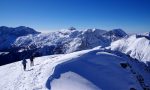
{"points": [[130, 15]]}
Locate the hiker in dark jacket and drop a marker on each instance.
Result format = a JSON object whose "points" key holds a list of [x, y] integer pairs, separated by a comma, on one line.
{"points": [[24, 64], [31, 60]]}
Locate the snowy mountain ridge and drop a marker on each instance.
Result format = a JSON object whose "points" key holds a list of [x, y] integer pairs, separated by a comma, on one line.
{"points": [[23, 40], [136, 46], [66, 72], [71, 40], [19, 37], [92, 59], [28, 41]]}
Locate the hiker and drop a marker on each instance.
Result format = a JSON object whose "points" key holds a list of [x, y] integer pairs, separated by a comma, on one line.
{"points": [[24, 63], [31, 60]]}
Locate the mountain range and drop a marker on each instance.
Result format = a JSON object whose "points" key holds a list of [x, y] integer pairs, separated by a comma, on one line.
{"points": [[71, 59], [22, 41]]}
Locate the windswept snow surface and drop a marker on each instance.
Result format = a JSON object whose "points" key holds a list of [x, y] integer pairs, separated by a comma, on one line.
{"points": [[136, 46], [84, 70]]}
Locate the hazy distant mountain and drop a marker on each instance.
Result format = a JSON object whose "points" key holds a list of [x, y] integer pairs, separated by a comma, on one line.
{"points": [[8, 35]]}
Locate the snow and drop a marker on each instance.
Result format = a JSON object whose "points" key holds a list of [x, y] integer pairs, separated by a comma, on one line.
{"points": [[14, 78], [146, 34], [99, 68], [72, 81], [136, 47], [94, 69], [1, 53], [23, 40]]}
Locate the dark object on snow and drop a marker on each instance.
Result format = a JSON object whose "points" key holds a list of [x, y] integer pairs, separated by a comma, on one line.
{"points": [[132, 88], [24, 64], [31, 60], [140, 78], [124, 65]]}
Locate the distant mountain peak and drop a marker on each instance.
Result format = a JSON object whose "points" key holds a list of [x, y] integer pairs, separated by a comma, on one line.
{"points": [[147, 34], [17, 31], [71, 28], [117, 32]]}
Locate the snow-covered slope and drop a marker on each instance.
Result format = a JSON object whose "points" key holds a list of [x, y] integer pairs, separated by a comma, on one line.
{"points": [[84, 70], [70, 40], [136, 46]]}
